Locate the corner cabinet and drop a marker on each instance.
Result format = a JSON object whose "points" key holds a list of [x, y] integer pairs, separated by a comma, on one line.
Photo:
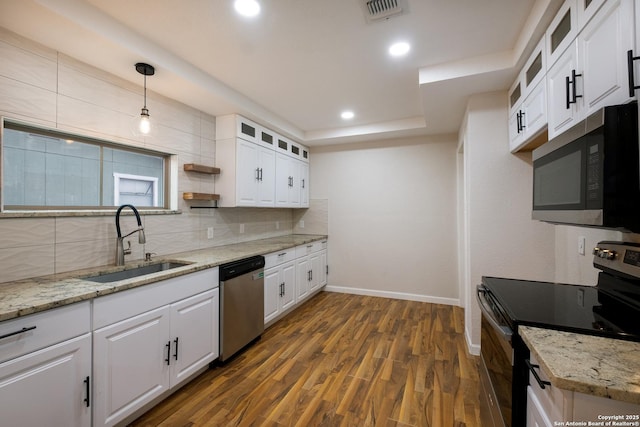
{"points": [[45, 368], [150, 339], [260, 167]]}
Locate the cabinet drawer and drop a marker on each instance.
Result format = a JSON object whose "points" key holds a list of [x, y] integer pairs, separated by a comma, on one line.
{"points": [[122, 305], [309, 248], [555, 402], [277, 258], [43, 329]]}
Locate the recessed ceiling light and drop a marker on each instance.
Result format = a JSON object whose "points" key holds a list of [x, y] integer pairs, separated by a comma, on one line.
{"points": [[347, 115], [249, 8], [399, 49]]}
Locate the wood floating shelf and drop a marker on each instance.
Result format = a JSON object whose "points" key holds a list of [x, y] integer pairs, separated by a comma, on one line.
{"points": [[193, 167], [200, 196]]}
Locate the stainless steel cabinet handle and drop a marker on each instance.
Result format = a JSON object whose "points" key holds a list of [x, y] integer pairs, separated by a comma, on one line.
{"points": [[21, 331]]}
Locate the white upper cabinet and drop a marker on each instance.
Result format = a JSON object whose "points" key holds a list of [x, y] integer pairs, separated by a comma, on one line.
{"points": [[255, 175], [602, 51], [591, 70], [562, 31], [259, 168], [562, 106], [527, 101]]}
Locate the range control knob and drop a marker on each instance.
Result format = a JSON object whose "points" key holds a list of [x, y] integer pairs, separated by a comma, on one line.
{"points": [[604, 253]]}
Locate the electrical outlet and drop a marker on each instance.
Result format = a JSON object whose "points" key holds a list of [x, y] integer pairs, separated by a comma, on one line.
{"points": [[581, 244], [241, 228], [210, 233], [301, 223]]}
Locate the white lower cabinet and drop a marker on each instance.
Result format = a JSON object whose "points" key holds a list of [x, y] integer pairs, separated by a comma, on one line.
{"points": [[551, 406], [138, 359], [49, 387], [45, 368], [311, 268], [536, 417], [130, 365], [279, 285], [150, 339]]}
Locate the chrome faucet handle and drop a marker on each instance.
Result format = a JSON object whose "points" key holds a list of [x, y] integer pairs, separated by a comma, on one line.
{"points": [[128, 250], [147, 255]]}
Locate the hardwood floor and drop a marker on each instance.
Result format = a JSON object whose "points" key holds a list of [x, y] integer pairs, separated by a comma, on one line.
{"points": [[340, 360]]}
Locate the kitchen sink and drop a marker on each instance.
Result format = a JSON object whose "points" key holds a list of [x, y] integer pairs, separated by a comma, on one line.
{"points": [[136, 272]]}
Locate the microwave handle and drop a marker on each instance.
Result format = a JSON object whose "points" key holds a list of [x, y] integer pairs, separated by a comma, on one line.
{"points": [[504, 330]]}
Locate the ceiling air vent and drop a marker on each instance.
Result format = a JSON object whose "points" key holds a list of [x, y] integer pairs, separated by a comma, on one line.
{"points": [[381, 10]]}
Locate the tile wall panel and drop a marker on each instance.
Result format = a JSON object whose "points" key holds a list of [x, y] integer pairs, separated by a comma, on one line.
{"points": [[86, 254], [25, 102], [20, 232], [26, 261], [27, 67], [91, 89]]}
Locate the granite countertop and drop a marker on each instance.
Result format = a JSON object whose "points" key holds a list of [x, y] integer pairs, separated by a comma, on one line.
{"points": [[37, 294], [587, 364]]}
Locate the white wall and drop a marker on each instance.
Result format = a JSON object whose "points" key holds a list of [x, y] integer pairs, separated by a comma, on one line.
{"points": [[503, 240], [392, 216], [571, 267]]}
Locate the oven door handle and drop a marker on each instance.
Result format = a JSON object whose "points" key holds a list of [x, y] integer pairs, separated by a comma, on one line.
{"points": [[504, 330]]}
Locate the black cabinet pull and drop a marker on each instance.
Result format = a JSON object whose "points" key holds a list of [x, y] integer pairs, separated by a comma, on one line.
{"points": [[257, 174], [168, 359], [518, 122], [568, 97], [260, 174], [571, 83], [632, 83], [88, 391], [175, 355], [21, 331], [522, 126], [282, 289], [539, 380], [303, 183]]}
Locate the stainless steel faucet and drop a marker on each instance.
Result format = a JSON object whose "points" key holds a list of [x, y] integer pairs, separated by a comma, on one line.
{"points": [[120, 250]]}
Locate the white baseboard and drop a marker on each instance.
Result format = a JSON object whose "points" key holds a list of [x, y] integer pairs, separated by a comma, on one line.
{"points": [[473, 348], [394, 295]]}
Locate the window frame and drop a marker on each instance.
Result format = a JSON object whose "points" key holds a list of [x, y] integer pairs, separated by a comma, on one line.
{"points": [[44, 210]]}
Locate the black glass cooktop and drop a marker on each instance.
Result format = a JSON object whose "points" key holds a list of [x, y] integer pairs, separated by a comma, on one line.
{"points": [[583, 309]]}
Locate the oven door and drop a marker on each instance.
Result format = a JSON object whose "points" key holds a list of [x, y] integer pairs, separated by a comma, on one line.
{"points": [[496, 364]]}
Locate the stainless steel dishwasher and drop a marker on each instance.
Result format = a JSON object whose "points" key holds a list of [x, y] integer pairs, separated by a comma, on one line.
{"points": [[241, 304]]}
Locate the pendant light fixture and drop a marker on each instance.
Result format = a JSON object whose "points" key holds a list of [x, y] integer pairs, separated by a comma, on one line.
{"points": [[145, 124]]}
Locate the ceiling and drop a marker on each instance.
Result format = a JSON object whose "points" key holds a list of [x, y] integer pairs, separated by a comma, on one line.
{"points": [[300, 63]]}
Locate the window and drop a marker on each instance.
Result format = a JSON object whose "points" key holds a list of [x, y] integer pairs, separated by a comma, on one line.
{"points": [[45, 169]]}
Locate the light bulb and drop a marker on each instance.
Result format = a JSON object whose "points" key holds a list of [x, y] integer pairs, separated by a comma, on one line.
{"points": [[249, 8], [399, 49], [145, 123]]}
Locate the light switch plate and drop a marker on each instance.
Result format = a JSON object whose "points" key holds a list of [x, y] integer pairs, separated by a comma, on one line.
{"points": [[210, 233], [581, 243]]}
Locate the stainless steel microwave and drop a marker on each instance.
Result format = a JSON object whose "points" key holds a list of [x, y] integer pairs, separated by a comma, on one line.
{"points": [[589, 175]]}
